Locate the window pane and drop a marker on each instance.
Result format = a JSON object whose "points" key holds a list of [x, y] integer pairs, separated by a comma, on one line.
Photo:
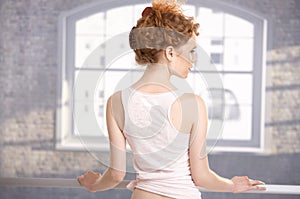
{"points": [[125, 61], [124, 18], [238, 27], [85, 123], [240, 86], [238, 55], [238, 126], [85, 45], [91, 25], [189, 10], [238, 106], [217, 58], [227, 39], [88, 104], [214, 48], [91, 91], [197, 82], [88, 36], [121, 73], [211, 23], [85, 83]]}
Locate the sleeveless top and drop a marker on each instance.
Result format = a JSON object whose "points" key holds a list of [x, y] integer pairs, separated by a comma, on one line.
{"points": [[160, 152]]}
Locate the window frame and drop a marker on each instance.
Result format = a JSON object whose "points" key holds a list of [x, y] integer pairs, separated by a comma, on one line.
{"points": [[257, 143], [66, 140]]}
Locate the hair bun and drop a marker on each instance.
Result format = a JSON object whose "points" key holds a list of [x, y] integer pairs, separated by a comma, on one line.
{"points": [[147, 11]]}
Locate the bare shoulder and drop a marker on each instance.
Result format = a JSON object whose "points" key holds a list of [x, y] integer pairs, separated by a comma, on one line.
{"points": [[114, 104], [193, 100], [192, 108], [115, 101], [116, 96]]}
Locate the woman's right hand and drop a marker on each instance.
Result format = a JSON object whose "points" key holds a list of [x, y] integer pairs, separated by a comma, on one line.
{"points": [[243, 184]]}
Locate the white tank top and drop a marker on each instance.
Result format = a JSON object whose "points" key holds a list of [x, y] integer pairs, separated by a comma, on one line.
{"points": [[160, 152]]}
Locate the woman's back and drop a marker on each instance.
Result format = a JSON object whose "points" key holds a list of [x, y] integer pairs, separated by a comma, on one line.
{"points": [[160, 150]]}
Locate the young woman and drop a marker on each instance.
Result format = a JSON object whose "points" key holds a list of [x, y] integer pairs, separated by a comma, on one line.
{"points": [[165, 127]]}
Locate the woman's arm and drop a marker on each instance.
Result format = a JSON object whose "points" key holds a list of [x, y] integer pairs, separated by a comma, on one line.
{"points": [[201, 173], [117, 169]]}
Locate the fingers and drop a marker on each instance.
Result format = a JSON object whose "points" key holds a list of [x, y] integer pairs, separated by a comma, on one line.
{"points": [[89, 178], [255, 183], [80, 179], [91, 172], [243, 183], [85, 182], [83, 179], [259, 188]]}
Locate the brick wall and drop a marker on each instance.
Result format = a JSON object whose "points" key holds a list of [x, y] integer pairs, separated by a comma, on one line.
{"points": [[28, 65], [283, 93]]}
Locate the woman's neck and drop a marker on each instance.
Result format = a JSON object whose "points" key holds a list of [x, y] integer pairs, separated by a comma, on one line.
{"points": [[156, 76]]}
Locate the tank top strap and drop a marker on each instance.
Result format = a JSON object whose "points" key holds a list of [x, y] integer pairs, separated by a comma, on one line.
{"points": [[124, 97]]}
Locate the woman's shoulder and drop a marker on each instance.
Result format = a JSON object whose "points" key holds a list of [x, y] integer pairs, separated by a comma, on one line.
{"points": [[116, 96], [115, 100], [192, 98], [193, 103]]}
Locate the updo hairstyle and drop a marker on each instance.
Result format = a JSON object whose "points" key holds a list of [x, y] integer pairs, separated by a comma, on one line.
{"points": [[160, 26]]}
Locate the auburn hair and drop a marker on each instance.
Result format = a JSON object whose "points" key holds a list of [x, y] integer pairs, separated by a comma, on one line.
{"points": [[160, 26]]}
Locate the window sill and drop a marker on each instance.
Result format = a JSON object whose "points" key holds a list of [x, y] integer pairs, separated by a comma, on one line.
{"points": [[76, 143]]}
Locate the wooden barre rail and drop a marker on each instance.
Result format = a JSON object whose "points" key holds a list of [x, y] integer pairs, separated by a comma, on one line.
{"points": [[72, 183]]}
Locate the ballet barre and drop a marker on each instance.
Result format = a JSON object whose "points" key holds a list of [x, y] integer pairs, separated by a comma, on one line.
{"points": [[73, 183]]}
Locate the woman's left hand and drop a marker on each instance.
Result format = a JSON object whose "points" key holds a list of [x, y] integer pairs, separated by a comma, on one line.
{"points": [[243, 183], [88, 180]]}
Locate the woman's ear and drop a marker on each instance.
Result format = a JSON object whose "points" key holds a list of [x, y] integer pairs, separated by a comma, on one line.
{"points": [[169, 52]]}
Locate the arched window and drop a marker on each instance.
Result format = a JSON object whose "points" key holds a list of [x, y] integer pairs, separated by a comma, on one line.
{"points": [[233, 38]]}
